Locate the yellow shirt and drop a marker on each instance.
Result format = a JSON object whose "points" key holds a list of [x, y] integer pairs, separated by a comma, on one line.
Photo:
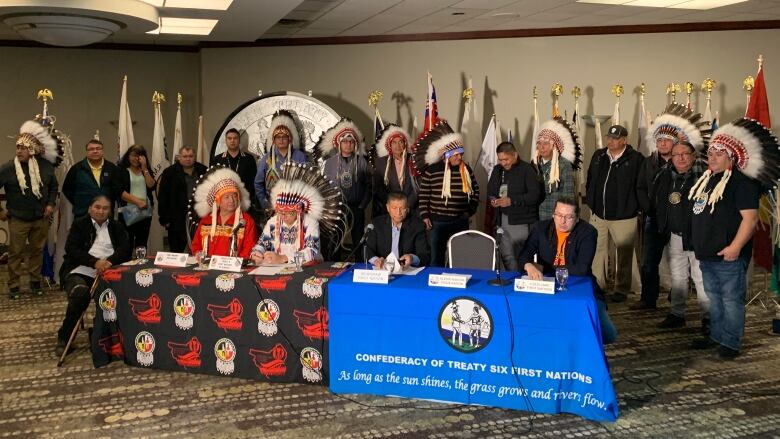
{"points": [[96, 170]]}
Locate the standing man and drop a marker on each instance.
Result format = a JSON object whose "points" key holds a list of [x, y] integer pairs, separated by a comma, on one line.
{"points": [[449, 193], [174, 193], [676, 123], [725, 214], [556, 155], [393, 169], [282, 145], [516, 191], [346, 165], [242, 164], [91, 177], [95, 243], [616, 192], [31, 193]]}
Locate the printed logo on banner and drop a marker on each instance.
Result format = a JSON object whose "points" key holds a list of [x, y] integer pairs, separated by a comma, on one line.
{"points": [[188, 279], [270, 363], [145, 276], [227, 317], [225, 351], [227, 281], [114, 274], [184, 307], [311, 360], [313, 325], [186, 354], [465, 324], [144, 344], [275, 284], [113, 345], [267, 315], [312, 287], [146, 311], [107, 301]]}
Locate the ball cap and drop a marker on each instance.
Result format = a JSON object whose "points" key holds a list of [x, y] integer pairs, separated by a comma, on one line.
{"points": [[617, 131]]}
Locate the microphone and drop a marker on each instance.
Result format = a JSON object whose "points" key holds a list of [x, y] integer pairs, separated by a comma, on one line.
{"points": [[498, 282], [234, 238], [362, 241]]}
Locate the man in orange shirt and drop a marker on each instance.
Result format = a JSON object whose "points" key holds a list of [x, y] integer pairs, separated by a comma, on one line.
{"points": [[565, 241]]}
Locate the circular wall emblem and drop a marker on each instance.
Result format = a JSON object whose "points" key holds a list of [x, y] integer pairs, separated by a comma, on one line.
{"points": [[465, 324]]}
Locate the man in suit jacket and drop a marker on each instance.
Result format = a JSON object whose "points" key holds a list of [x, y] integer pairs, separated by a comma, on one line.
{"points": [[398, 234]]}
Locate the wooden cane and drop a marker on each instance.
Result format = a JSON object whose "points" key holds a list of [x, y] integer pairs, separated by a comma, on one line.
{"points": [[76, 326]]}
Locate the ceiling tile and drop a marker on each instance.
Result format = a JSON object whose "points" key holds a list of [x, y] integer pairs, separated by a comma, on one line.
{"points": [[621, 11], [484, 4]]}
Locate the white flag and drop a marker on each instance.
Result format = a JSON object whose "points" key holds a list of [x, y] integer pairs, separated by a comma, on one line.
{"points": [[125, 137], [159, 150], [642, 126], [535, 132], [178, 142], [415, 130], [599, 140], [489, 145], [616, 114], [468, 103], [203, 152], [708, 112], [63, 216]]}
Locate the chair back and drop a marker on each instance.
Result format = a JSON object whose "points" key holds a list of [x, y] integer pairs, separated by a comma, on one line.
{"points": [[471, 249]]}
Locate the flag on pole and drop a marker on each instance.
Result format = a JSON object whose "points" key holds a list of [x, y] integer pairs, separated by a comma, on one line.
{"points": [[489, 145], [509, 137], [203, 151], [159, 148], [599, 140], [716, 121], [616, 113], [431, 106], [178, 142], [379, 126], [535, 130], [125, 137], [63, 217], [642, 124]]}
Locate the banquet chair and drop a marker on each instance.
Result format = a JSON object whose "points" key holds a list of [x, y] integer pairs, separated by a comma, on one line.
{"points": [[471, 249]]}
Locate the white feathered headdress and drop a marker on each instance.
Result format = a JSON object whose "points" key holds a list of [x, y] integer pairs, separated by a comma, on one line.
{"points": [[283, 122], [677, 122], [328, 145]]}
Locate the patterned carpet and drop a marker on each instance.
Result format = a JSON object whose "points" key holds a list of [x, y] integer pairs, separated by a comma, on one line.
{"points": [[666, 390]]}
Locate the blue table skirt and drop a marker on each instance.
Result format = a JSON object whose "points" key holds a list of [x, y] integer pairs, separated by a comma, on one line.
{"points": [[408, 339]]}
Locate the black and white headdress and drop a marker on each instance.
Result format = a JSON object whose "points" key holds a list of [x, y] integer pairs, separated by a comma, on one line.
{"points": [[565, 142], [209, 189], [283, 122], [677, 122], [328, 145], [383, 146], [441, 142]]}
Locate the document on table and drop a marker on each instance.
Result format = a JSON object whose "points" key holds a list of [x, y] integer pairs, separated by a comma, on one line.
{"points": [[270, 269], [410, 271]]}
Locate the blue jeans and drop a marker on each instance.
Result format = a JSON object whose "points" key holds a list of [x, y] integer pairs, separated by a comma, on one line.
{"points": [[724, 283], [440, 233], [608, 331]]}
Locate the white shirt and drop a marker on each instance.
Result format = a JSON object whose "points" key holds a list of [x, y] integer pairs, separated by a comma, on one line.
{"points": [[101, 249]]}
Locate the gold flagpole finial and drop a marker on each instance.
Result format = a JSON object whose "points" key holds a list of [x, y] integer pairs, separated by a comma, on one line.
{"points": [[374, 98], [617, 90], [748, 84], [576, 92], [96, 136], [468, 94], [557, 89], [672, 89], [760, 61], [158, 97], [178, 99], [708, 85], [45, 94], [689, 88]]}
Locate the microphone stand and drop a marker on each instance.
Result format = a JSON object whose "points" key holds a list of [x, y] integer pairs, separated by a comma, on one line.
{"points": [[498, 282], [362, 242]]}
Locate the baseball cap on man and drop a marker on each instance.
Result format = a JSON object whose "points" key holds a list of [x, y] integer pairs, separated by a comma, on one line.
{"points": [[617, 131]]}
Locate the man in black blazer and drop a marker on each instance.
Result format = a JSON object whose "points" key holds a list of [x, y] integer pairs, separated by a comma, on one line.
{"points": [[396, 233], [95, 243]]}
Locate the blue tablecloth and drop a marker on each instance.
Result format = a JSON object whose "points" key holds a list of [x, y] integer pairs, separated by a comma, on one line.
{"points": [[480, 345]]}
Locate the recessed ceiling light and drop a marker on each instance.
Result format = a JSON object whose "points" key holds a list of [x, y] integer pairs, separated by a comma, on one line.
{"points": [[220, 5], [184, 26], [706, 4], [655, 3], [676, 4]]}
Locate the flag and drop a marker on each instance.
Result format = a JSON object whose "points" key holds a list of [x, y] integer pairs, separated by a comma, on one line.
{"points": [[535, 130], [599, 140], [758, 109], [63, 216], [509, 137], [379, 126], [431, 107], [415, 128], [203, 151], [708, 112], [489, 145], [159, 148], [643, 122], [178, 142], [125, 136], [715, 121], [616, 113]]}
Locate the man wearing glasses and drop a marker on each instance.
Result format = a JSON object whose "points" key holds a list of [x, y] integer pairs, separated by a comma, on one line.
{"points": [[565, 241], [89, 178]]}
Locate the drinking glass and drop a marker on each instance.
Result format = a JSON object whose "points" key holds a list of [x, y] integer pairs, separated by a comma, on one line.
{"points": [[298, 258], [390, 266], [561, 275], [200, 257], [140, 253]]}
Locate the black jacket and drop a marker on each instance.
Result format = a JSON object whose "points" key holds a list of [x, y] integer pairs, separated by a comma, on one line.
{"points": [[245, 165], [28, 207], [653, 166], [413, 239], [80, 186], [123, 178], [525, 189], [82, 235], [173, 197], [623, 185], [381, 190]]}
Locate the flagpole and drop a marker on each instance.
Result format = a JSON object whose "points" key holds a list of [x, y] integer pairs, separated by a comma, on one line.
{"points": [[617, 91]]}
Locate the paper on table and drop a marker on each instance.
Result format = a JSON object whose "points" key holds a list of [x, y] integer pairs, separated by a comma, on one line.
{"points": [[267, 270], [411, 271]]}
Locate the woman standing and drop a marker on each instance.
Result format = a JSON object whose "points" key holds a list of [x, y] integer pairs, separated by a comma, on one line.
{"points": [[137, 191]]}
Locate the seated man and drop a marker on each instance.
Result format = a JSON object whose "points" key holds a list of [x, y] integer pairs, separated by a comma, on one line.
{"points": [[225, 229], [95, 243], [565, 241], [397, 233]]}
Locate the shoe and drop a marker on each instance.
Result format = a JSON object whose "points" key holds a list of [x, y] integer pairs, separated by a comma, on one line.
{"points": [[726, 353], [14, 293], [60, 348], [618, 297], [642, 306], [35, 288], [705, 327], [672, 321], [703, 343]]}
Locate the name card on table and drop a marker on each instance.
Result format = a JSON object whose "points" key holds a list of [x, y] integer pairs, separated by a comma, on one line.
{"points": [[169, 259], [450, 280], [544, 286], [370, 276], [225, 263]]}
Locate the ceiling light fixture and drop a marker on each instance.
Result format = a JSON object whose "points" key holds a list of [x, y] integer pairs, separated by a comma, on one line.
{"points": [[184, 26], [217, 5], [675, 4]]}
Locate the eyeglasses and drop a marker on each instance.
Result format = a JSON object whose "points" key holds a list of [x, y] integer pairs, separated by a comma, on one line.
{"points": [[565, 217]]}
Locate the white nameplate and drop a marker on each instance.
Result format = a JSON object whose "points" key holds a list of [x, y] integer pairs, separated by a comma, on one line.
{"points": [[526, 285], [168, 259], [450, 280], [225, 263], [370, 276]]}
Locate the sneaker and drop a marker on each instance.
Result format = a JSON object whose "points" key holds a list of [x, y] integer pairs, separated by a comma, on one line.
{"points": [[703, 343], [726, 353], [60, 348], [672, 321], [618, 297], [642, 306], [35, 288], [705, 327], [14, 293]]}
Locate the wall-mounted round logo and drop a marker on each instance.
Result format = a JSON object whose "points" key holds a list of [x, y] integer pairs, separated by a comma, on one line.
{"points": [[465, 324]]}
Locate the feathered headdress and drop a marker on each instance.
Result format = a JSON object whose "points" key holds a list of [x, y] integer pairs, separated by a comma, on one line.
{"points": [[441, 142], [752, 148], [677, 122], [284, 122], [209, 189], [38, 140], [565, 142], [303, 189], [383, 146], [328, 145]]}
